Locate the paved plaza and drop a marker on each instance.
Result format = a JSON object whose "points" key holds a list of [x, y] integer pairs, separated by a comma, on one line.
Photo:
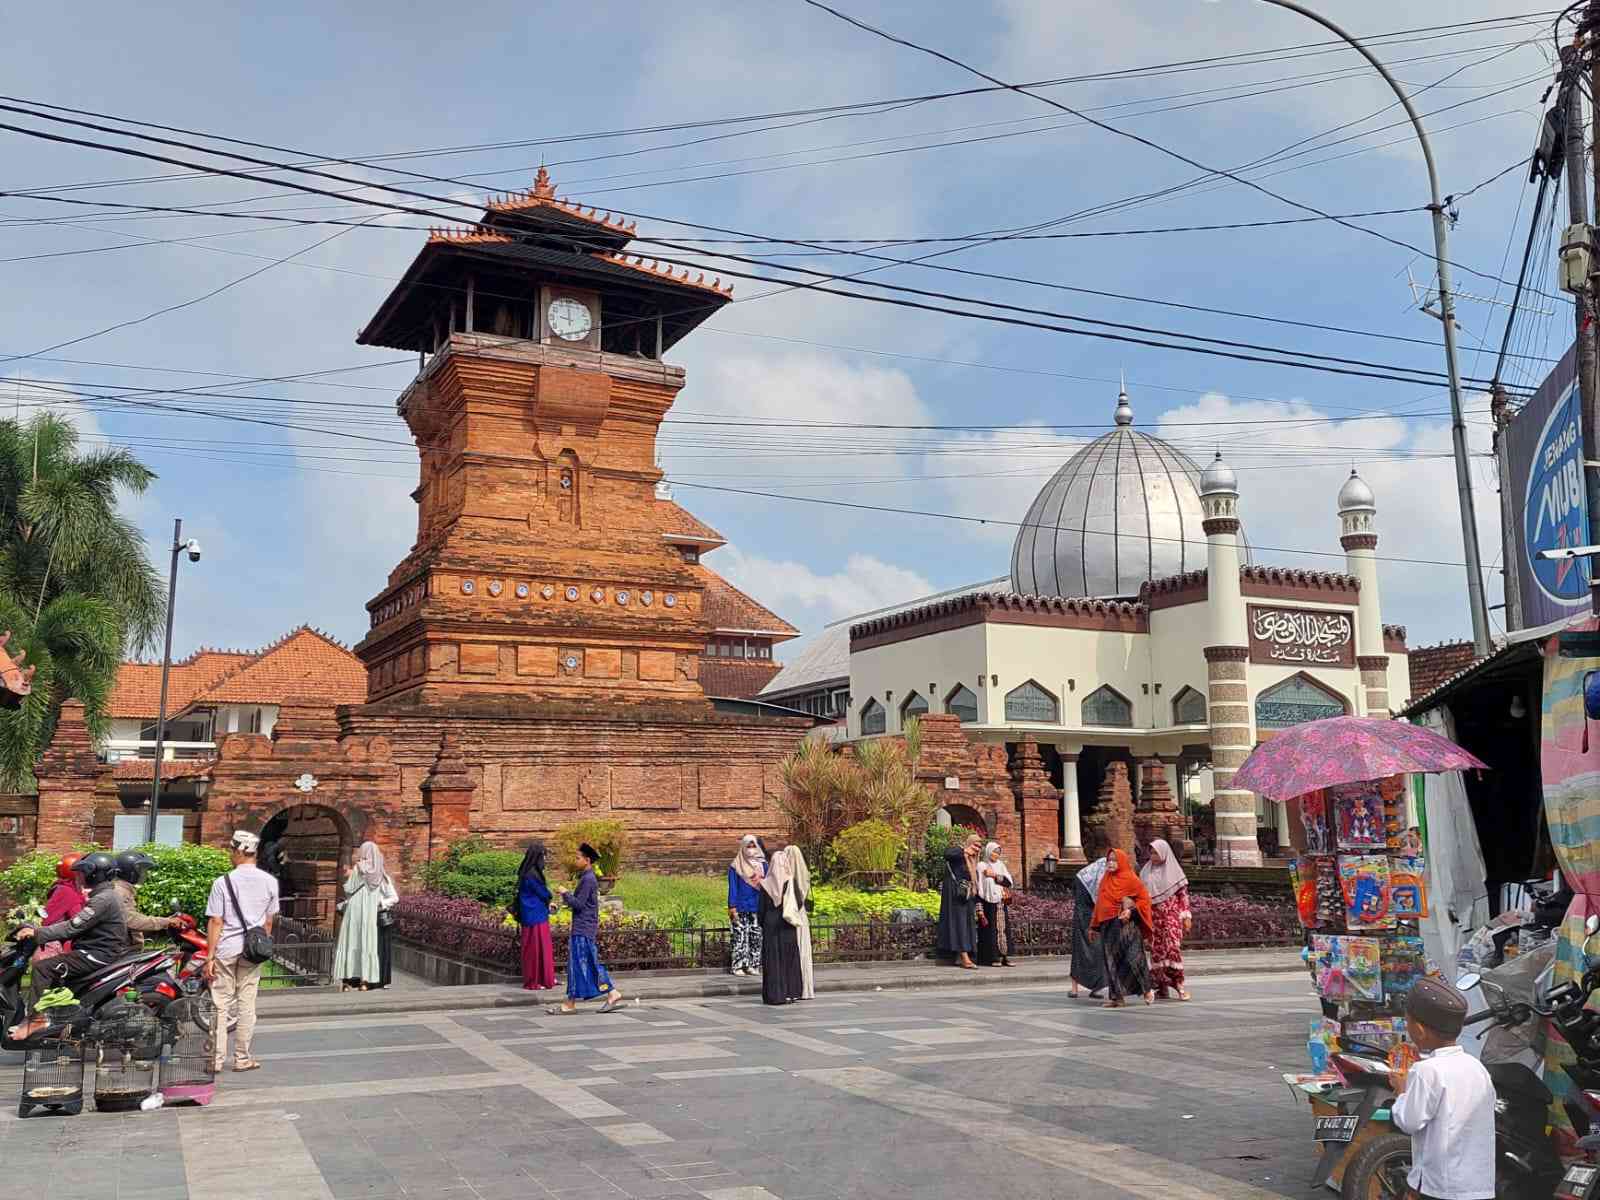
{"points": [[1009, 1093]]}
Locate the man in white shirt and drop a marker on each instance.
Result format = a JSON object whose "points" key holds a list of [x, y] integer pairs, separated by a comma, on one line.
{"points": [[1446, 1101], [234, 978]]}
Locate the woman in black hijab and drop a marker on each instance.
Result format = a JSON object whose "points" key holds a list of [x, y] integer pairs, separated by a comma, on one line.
{"points": [[533, 914], [958, 897]]}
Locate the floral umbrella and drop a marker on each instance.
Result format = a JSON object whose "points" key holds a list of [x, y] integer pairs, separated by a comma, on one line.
{"points": [[1320, 754]]}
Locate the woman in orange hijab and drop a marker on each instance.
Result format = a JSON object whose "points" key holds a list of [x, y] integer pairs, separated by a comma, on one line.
{"points": [[1122, 921]]}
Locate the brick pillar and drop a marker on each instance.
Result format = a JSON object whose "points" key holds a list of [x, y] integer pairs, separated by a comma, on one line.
{"points": [[68, 773], [1071, 812], [447, 795], [1110, 826], [1038, 802], [1375, 683], [1235, 809], [1158, 815]]}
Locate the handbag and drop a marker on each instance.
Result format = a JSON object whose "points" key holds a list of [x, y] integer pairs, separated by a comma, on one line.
{"points": [[386, 918], [257, 941], [964, 891]]}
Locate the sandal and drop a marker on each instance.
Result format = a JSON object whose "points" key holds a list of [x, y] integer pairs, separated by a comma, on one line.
{"points": [[1183, 995], [247, 1064], [613, 1002], [557, 1010], [1111, 1004]]}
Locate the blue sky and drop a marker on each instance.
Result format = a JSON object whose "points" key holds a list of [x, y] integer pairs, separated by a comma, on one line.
{"points": [[303, 525]]}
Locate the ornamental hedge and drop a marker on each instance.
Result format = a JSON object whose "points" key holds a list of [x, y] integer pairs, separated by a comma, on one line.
{"points": [[182, 873]]}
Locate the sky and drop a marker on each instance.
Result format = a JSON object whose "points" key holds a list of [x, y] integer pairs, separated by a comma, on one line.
{"points": [[199, 325]]}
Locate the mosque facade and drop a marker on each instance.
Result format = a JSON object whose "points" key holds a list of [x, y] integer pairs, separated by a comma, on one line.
{"points": [[1138, 630]]}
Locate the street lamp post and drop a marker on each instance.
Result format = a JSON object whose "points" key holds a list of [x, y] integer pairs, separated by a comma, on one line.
{"points": [[1441, 258], [192, 548]]}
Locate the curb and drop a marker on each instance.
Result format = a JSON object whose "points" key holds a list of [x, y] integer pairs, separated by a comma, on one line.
{"points": [[677, 986]]}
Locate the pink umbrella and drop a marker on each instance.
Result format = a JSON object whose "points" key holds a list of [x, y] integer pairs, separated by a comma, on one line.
{"points": [[1319, 754]]}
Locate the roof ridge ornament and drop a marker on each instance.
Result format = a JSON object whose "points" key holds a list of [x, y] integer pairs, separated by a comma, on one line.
{"points": [[1124, 412], [543, 189]]}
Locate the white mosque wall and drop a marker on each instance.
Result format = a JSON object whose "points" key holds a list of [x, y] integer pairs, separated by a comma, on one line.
{"points": [[954, 656]]}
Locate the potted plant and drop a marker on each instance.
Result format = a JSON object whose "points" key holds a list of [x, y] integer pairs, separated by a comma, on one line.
{"points": [[609, 838]]}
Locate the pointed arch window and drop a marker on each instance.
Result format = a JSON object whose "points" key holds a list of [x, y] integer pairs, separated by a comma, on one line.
{"points": [[1030, 702], [1107, 706], [1189, 708], [1295, 701], [874, 718], [962, 702], [912, 706]]}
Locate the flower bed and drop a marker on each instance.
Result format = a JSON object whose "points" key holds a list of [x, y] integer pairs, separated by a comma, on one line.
{"points": [[461, 928]]}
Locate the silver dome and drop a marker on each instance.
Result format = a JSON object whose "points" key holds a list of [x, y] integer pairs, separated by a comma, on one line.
{"points": [[1123, 510], [1218, 477], [1356, 495]]}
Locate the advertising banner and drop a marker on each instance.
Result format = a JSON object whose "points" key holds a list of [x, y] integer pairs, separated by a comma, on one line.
{"points": [[1544, 458]]}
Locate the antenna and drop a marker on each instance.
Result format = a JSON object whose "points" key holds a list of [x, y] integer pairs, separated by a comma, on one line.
{"points": [[1426, 298]]}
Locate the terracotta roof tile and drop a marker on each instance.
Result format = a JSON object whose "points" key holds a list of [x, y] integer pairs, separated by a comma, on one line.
{"points": [[137, 691], [304, 662], [138, 770], [1432, 666], [735, 679], [731, 611], [669, 519]]}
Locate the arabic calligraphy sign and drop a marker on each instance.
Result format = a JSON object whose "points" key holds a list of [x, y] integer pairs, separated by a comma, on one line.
{"points": [[1302, 637]]}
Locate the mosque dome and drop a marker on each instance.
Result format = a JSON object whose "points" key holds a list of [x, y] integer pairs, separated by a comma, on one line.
{"points": [[1355, 494], [1218, 478], [1123, 510]]}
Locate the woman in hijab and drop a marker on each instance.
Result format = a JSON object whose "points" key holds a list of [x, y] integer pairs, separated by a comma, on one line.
{"points": [[794, 912], [994, 880], [361, 954], [533, 915], [1088, 971], [781, 979], [745, 873], [958, 902], [1169, 910], [1122, 923]]}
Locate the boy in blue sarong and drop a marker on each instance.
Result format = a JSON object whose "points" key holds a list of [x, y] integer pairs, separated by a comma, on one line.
{"points": [[586, 975]]}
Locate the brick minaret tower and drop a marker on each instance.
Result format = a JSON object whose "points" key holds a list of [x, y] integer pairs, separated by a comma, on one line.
{"points": [[543, 567], [1227, 654]]}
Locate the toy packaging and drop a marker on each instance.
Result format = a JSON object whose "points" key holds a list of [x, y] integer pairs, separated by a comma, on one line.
{"points": [[1404, 962], [1393, 793], [1347, 968], [1330, 898], [1408, 888], [1314, 820], [1378, 1033], [1303, 878], [1322, 1043], [1358, 816], [1364, 881]]}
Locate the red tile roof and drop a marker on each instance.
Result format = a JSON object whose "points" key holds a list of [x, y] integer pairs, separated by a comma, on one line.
{"points": [[1433, 665], [138, 770], [304, 662], [667, 518], [731, 611], [738, 679], [137, 691]]}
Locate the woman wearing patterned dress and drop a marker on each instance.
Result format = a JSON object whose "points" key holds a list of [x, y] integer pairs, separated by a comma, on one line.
{"points": [[745, 873], [1168, 886]]}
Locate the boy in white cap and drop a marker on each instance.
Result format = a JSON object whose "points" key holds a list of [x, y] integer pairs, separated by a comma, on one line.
{"points": [[245, 898]]}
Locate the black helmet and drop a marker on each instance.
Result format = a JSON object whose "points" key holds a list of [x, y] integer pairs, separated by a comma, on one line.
{"points": [[132, 864], [95, 868]]}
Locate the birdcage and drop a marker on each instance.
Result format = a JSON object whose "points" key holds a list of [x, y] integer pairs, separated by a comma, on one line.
{"points": [[122, 1081], [52, 1080], [186, 1074]]}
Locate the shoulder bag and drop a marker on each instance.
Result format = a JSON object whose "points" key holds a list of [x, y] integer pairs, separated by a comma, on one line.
{"points": [[257, 941], [964, 891]]}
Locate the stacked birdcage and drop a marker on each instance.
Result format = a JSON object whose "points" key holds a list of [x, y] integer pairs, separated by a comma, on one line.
{"points": [[127, 1040], [52, 1080], [187, 1074]]}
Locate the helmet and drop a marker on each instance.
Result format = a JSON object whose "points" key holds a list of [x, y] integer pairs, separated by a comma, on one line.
{"points": [[132, 864], [95, 868], [64, 867]]}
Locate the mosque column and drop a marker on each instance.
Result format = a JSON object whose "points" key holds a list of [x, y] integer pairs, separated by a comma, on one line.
{"points": [[1227, 656], [1071, 814]]}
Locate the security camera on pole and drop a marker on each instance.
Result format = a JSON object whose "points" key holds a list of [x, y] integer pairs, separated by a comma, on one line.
{"points": [[192, 548]]}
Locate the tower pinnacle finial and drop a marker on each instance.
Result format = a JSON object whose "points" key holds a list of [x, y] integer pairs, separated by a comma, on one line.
{"points": [[542, 187], [1124, 413]]}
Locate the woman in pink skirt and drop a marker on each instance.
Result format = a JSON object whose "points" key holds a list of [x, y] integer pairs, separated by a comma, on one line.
{"points": [[1169, 905], [533, 914]]}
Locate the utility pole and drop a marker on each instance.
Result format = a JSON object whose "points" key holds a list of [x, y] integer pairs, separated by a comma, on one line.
{"points": [[1578, 185]]}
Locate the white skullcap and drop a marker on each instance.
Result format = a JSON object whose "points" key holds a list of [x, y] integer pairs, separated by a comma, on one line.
{"points": [[245, 842]]}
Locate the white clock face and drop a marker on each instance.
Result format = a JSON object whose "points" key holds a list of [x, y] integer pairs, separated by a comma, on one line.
{"points": [[569, 319]]}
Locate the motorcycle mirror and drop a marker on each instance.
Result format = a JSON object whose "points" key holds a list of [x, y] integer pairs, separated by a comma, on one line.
{"points": [[1592, 925], [1467, 982], [176, 908]]}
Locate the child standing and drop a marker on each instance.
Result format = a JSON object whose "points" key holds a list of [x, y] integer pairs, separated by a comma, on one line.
{"points": [[1446, 1101], [586, 977]]}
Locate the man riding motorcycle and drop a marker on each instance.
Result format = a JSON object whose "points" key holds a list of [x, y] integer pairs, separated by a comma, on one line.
{"points": [[131, 866], [98, 933]]}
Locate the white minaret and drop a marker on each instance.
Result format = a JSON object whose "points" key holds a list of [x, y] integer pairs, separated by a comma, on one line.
{"points": [[1358, 534], [1227, 652]]}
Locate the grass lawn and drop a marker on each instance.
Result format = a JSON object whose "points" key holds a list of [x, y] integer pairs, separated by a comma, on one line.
{"points": [[665, 897]]}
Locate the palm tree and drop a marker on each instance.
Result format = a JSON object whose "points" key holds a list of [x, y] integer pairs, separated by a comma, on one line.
{"points": [[77, 589]]}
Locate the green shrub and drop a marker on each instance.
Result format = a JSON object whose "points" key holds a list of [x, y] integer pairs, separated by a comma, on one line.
{"points": [[181, 873], [450, 860], [869, 846], [847, 906], [610, 838], [935, 842]]}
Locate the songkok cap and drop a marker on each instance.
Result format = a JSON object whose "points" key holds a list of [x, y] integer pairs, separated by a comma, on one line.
{"points": [[245, 842], [1436, 1004], [588, 852]]}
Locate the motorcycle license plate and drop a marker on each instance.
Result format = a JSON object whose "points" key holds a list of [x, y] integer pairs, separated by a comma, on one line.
{"points": [[1335, 1129], [1578, 1183]]}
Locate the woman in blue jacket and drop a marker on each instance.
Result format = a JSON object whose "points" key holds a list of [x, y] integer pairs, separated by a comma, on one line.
{"points": [[745, 873], [533, 914]]}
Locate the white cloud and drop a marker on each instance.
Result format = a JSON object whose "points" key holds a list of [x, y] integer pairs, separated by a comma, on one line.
{"points": [[809, 598]]}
